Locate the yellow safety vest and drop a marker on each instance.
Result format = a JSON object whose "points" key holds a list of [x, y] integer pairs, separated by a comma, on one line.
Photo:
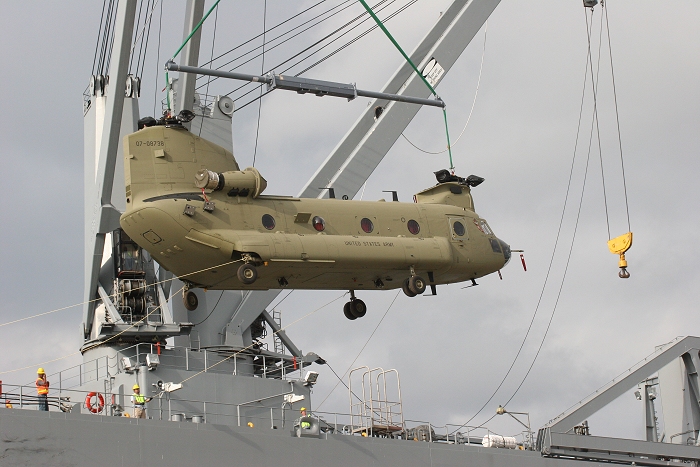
{"points": [[42, 387], [139, 398]]}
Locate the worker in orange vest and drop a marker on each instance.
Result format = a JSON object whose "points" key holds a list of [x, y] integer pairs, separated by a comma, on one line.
{"points": [[42, 390]]}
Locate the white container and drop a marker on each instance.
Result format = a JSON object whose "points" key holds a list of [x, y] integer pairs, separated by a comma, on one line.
{"points": [[497, 441]]}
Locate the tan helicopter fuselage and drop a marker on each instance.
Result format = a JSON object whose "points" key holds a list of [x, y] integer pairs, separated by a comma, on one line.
{"points": [[294, 243]]}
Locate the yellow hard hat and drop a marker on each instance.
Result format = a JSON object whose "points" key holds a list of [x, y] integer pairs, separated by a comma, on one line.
{"points": [[303, 409], [40, 371], [136, 386]]}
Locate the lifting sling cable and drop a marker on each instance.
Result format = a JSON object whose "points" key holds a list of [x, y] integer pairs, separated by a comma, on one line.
{"points": [[196, 28], [97, 344], [396, 44]]}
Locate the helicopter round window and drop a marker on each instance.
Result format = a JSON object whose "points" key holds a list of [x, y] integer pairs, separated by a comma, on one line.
{"points": [[458, 228], [318, 223], [268, 222], [413, 227], [366, 225]]}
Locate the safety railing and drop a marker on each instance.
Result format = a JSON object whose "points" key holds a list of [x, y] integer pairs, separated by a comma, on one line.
{"points": [[168, 407], [183, 358]]}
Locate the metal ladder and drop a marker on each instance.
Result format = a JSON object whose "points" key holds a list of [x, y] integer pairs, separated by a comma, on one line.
{"points": [[277, 316]]}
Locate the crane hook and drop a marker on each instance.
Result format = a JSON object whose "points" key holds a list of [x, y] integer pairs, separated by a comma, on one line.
{"points": [[619, 246]]}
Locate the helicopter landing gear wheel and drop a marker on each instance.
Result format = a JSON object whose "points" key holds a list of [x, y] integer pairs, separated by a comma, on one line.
{"points": [[247, 273], [347, 312], [416, 284], [406, 290], [189, 298], [358, 308]]}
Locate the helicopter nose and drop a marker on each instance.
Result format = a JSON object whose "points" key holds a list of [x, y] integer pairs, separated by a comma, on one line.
{"points": [[505, 248]]}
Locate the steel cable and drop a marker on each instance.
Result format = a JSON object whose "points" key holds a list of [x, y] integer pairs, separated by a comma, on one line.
{"points": [[277, 37], [372, 28], [272, 28], [469, 117], [262, 70], [594, 129], [309, 47], [594, 80], [137, 323], [617, 114], [554, 250], [99, 33]]}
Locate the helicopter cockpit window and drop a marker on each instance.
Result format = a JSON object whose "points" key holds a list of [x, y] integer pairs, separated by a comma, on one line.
{"points": [[413, 227], [367, 225], [268, 221], [318, 223], [459, 228], [483, 226]]}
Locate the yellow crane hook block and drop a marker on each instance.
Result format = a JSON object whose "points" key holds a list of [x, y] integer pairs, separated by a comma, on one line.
{"points": [[618, 246]]}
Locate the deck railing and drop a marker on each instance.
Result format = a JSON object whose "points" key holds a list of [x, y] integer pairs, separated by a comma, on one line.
{"points": [[182, 358], [169, 407]]}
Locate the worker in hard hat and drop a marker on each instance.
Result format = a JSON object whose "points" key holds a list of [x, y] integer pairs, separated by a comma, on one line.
{"points": [[305, 425], [139, 402], [42, 390], [8, 404]]}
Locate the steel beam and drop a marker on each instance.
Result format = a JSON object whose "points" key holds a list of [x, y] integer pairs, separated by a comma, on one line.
{"points": [[618, 450], [281, 334], [190, 55], [109, 305], [617, 387], [691, 361], [304, 85], [100, 196]]}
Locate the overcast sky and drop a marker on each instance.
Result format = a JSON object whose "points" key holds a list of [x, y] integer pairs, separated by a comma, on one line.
{"points": [[451, 350]]}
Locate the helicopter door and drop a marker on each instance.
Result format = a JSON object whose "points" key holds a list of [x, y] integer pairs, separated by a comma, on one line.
{"points": [[458, 229]]}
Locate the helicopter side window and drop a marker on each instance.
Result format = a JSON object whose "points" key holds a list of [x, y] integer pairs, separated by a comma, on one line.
{"points": [[413, 227], [367, 225], [458, 228], [268, 221], [319, 224]]}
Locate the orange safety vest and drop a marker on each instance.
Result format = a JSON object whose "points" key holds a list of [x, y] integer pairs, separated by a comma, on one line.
{"points": [[42, 387]]}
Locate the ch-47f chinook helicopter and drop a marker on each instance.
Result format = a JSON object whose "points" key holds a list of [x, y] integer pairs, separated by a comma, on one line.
{"points": [[192, 208]]}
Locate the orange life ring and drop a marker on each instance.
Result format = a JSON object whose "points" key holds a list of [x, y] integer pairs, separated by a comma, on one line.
{"points": [[95, 408]]}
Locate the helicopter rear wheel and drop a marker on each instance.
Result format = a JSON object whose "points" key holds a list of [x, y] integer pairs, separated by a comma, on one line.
{"points": [[358, 308], [190, 300], [416, 284], [247, 273], [406, 289], [347, 312]]}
